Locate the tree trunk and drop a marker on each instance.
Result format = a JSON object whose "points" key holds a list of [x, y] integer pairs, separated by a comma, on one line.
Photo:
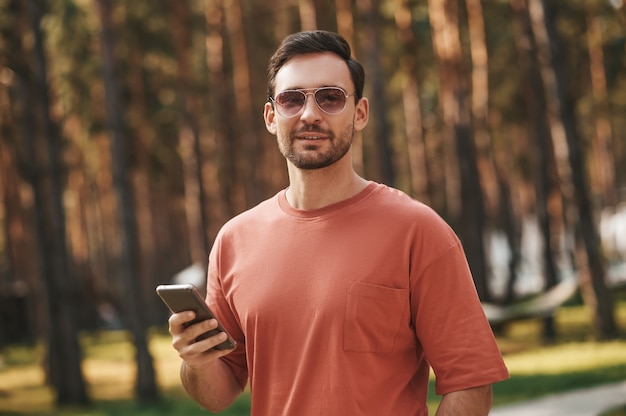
{"points": [[510, 224], [61, 288], [9, 195], [345, 20], [415, 139], [566, 142], [454, 98], [248, 160], [146, 389], [15, 254], [383, 152], [542, 156], [602, 162], [480, 106], [345, 27], [150, 263], [189, 144], [225, 170], [308, 18]]}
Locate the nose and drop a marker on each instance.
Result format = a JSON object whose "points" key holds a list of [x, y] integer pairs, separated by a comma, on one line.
{"points": [[311, 111]]}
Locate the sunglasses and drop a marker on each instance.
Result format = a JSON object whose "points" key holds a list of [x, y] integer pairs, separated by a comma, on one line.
{"points": [[331, 100]]}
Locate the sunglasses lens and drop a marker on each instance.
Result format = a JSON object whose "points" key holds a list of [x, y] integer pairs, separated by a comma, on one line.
{"points": [[331, 100], [290, 102]]}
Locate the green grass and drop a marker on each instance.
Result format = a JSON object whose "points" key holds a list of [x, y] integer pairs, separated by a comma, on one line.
{"points": [[620, 411], [563, 368], [574, 361]]}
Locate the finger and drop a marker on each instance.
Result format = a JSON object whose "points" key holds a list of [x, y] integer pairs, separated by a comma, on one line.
{"points": [[185, 336], [177, 321], [196, 356], [198, 329], [207, 345]]}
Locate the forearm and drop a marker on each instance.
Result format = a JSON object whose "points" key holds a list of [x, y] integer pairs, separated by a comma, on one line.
{"points": [[214, 387], [470, 402]]}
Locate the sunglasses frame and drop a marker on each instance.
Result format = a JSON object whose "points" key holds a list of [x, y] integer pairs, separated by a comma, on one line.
{"points": [[311, 91]]}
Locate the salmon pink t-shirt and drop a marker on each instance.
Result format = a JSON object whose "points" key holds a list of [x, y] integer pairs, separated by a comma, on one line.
{"points": [[343, 310]]}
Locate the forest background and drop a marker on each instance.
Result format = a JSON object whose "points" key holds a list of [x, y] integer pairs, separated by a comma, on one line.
{"points": [[132, 130]]}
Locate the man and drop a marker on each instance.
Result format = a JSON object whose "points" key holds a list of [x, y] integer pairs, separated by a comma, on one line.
{"points": [[340, 292]]}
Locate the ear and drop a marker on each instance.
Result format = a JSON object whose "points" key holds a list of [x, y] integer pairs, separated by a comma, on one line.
{"points": [[361, 114], [269, 114]]}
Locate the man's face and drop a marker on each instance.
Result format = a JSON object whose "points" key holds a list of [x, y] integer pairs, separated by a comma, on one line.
{"points": [[313, 139]]}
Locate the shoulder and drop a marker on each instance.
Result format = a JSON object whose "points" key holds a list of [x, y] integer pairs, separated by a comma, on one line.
{"points": [[399, 202], [414, 219], [252, 219], [394, 203]]}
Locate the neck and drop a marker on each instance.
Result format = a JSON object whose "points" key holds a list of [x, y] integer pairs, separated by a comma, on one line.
{"points": [[318, 188]]}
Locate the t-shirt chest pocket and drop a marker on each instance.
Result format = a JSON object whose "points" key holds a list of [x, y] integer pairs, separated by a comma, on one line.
{"points": [[374, 315]]}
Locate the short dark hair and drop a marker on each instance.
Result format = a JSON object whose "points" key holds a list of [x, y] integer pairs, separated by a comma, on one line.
{"points": [[314, 41]]}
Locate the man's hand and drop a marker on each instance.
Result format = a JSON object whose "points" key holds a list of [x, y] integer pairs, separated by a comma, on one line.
{"points": [[206, 378], [196, 354]]}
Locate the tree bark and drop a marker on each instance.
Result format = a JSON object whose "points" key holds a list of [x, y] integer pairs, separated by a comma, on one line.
{"points": [[150, 263], [146, 388], [480, 106], [602, 162], [224, 149], [415, 138], [345, 20], [188, 136], [248, 161], [308, 17], [61, 288], [454, 99], [567, 147], [382, 152], [345, 27], [15, 252], [542, 157]]}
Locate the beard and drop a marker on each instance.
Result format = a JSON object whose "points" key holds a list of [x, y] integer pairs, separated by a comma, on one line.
{"points": [[311, 157]]}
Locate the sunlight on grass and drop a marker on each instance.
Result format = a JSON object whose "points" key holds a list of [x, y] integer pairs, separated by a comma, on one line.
{"points": [[560, 368], [575, 361], [572, 324], [167, 362], [109, 379], [22, 388], [108, 369], [567, 358]]}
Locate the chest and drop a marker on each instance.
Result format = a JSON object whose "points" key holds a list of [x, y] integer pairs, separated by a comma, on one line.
{"points": [[301, 274]]}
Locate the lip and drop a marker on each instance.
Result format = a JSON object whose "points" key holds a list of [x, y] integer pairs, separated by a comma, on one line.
{"points": [[311, 136]]}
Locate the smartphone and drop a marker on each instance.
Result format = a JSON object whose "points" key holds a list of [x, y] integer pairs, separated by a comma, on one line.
{"points": [[185, 297]]}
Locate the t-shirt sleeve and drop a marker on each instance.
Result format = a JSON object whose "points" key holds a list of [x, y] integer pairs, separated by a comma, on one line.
{"points": [[216, 300], [450, 323]]}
